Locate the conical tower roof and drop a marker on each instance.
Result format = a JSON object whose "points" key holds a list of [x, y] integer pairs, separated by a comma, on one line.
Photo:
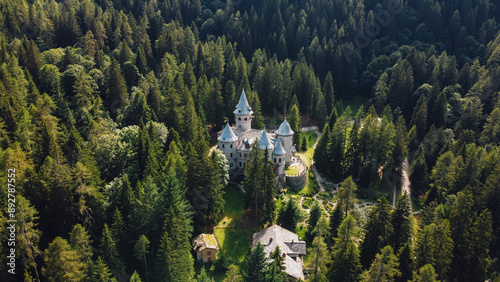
{"points": [[278, 149], [228, 135], [285, 129], [265, 142], [243, 108]]}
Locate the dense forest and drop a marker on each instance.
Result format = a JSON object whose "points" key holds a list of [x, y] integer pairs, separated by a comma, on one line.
{"points": [[108, 111]]}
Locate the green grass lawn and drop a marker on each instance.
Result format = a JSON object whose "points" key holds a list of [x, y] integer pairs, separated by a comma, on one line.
{"points": [[293, 170], [234, 243]]}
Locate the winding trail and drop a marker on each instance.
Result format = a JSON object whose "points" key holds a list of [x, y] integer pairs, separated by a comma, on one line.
{"points": [[405, 181]]}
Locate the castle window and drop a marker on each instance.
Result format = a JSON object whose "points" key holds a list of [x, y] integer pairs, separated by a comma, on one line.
{"points": [[280, 160], [245, 119], [240, 154], [240, 164], [222, 146], [239, 118], [231, 146], [231, 155], [274, 159]]}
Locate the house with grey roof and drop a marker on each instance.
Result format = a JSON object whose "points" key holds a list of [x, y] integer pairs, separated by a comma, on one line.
{"points": [[292, 247]]}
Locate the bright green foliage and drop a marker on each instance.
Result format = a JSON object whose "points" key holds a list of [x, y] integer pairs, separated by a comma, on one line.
{"points": [[203, 276], [425, 274], [80, 241], [174, 261], [28, 235], [109, 251], [477, 255], [135, 277], [99, 271], [383, 268], [289, 215], [378, 231], [346, 197], [62, 263], [233, 274], [345, 254], [256, 266], [320, 260], [141, 249]]}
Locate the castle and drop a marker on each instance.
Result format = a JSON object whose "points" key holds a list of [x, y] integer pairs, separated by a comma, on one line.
{"points": [[236, 142]]}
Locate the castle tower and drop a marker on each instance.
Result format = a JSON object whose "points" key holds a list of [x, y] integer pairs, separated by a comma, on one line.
{"points": [[227, 144], [279, 157], [265, 142], [285, 134], [243, 114]]}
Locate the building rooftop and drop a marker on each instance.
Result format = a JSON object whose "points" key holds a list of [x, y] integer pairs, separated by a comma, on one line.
{"points": [[290, 245], [278, 148], [284, 129], [243, 108], [205, 241], [228, 135], [265, 142]]}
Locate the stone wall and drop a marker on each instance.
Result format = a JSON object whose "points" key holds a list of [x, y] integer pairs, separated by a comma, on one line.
{"points": [[298, 181]]}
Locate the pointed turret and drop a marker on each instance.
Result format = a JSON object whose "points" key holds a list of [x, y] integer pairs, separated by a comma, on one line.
{"points": [[243, 114], [278, 149], [285, 129], [243, 108], [265, 142], [228, 135]]}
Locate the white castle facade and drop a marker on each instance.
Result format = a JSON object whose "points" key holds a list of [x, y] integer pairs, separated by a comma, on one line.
{"points": [[237, 141]]}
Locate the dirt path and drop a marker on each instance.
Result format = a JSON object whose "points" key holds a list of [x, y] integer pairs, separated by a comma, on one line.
{"points": [[405, 181]]}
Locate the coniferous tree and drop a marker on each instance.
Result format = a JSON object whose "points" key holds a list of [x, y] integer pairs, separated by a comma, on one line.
{"points": [[62, 263], [256, 265], [109, 250], [100, 272], [401, 220], [294, 121], [378, 231], [478, 249], [383, 268], [116, 94], [346, 198], [345, 254], [253, 171], [425, 274], [406, 263]]}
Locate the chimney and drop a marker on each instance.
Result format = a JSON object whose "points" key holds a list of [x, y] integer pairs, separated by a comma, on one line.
{"points": [[270, 241]]}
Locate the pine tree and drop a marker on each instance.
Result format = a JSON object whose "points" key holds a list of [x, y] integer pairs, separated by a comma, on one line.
{"points": [[406, 263], [233, 274], [477, 256], [253, 170], [345, 254], [384, 267], [100, 272], [278, 258], [116, 93], [328, 92], [141, 249], [401, 220], [425, 274], [109, 251], [268, 187], [135, 277], [289, 215], [320, 251], [174, 261], [62, 263], [294, 121], [256, 265], [80, 242], [378, 231], [346, 198], [28, 235]]}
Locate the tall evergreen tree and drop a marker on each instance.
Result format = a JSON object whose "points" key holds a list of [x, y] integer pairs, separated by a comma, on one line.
{"points": [[378, 231], [383, 268], [345, 253], [256, 265]]}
